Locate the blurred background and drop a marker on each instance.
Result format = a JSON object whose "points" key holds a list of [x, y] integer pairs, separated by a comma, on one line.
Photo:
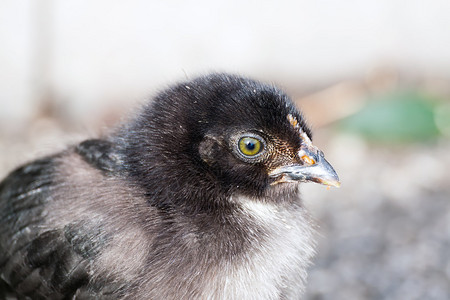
{"points": [[373, 78]]}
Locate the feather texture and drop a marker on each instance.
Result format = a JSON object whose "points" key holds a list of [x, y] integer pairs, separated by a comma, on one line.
{"points": [[166, 207]]}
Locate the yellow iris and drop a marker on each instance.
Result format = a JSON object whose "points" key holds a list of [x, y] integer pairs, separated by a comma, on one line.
{"points": [[250, 146]]}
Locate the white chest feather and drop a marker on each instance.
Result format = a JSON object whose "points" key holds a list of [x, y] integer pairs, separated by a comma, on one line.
{"points": [[276, 268]]}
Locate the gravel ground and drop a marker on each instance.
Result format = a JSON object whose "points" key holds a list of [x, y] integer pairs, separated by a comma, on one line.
{"points": [[385, 234]]}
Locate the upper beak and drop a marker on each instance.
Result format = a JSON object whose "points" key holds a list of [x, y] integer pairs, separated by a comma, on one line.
{"points": [[315, 169]]}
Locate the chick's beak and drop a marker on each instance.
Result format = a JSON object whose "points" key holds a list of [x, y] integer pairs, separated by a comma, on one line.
{"points": [[315, 168]]}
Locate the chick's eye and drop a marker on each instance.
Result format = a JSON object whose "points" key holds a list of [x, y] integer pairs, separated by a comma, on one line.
{"points": [[250, 146]]}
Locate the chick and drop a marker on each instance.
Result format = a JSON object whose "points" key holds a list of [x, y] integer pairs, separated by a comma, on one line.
{"points": [[197, 197]]}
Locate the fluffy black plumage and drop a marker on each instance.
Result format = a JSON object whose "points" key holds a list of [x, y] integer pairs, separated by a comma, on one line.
{"points": [[197, 197]]}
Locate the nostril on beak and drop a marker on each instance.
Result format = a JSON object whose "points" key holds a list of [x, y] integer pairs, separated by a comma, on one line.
{"points": [[308, 160]]}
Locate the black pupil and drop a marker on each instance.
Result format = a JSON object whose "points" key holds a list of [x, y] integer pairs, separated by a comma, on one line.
{"points": [[250, 145]]}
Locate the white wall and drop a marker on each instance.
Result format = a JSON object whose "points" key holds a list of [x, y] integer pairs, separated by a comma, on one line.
{"points": [[90, 54]]}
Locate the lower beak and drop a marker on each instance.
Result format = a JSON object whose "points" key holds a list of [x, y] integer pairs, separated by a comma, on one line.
{"points": [[320, 172]]}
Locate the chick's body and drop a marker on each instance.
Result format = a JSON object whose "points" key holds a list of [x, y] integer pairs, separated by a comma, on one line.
{"points": [[190, 200]]}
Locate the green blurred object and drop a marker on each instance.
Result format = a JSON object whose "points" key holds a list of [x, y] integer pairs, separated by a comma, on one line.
{"points": [[395, 118]]}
